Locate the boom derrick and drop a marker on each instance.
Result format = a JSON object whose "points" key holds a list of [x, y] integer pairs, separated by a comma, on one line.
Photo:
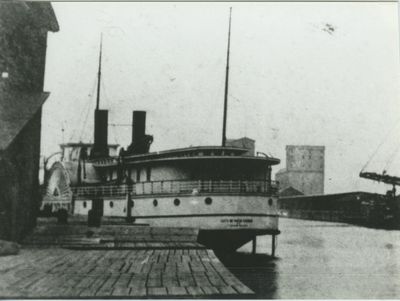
{"points": [[380, 178]]}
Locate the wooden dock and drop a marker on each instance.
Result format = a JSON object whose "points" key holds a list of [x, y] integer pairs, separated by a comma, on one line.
{"points": [[116, 262]]}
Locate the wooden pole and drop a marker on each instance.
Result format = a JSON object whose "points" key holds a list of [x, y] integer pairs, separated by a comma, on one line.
{"points": [[226, 81], [273, 245], [254, 250], [129, 208], [99, 74]]}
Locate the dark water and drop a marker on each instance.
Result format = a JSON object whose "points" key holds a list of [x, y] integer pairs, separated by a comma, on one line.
{"points": [[322, 260]]}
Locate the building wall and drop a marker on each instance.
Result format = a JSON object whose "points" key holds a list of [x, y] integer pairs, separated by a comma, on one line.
{"points": [[23, 42], [304, 170], [20, 186], [309, 183], [8, 190], [305, 158]]}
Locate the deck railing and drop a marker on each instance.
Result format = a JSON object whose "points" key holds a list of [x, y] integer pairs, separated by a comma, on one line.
{"points": [[178, 187]]}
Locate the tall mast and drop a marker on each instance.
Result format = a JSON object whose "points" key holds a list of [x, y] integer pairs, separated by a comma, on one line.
{"points": [[226, 81], [99, 74]]}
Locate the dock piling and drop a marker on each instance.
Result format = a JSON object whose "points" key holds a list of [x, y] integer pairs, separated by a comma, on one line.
{"points": [[273, 245], [254, 249]]}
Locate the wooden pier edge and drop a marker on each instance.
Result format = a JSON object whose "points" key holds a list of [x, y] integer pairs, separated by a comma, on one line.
{"points": [[58, 263]]}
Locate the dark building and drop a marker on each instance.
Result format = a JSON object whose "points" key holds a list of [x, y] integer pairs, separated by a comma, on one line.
{"points": [[23, 41], [352, 207]]}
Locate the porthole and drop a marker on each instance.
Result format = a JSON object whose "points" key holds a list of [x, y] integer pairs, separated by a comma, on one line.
{"points": [[208, 201], [270, 202], [155, 203], [111, 204], [177, 202], [84, 204]]}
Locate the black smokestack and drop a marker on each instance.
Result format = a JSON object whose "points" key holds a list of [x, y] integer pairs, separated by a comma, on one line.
{"points": [[140, 141], [138, 126], [100, 146]]}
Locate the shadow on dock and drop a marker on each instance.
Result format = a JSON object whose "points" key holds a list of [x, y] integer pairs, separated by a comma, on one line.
{"points": [[257, 271]]}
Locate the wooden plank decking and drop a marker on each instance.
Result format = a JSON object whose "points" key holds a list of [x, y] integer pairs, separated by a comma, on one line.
{"points": [[62, 262], [63, 273]]}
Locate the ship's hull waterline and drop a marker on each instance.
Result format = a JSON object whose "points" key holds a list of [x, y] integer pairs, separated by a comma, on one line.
{"points": [[225, 222]]}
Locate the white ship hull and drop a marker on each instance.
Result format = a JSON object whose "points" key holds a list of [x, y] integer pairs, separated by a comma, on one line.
{"points": [[224, 212], [228, 222]]}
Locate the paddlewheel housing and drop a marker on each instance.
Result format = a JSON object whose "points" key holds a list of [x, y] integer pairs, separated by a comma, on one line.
{"points": [[58, 193]]}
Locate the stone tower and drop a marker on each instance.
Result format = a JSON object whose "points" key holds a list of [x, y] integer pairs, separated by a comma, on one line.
{"points": [[305, 169]]}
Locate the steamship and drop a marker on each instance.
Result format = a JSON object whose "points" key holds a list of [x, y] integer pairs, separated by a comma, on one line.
{"points": [[224, 191]]}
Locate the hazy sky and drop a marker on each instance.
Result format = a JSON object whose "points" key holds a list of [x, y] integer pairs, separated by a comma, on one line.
{"points": [[301, 73]]}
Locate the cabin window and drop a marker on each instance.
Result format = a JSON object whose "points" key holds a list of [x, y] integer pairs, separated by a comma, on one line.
{"points": [[208, 201], [270, 202], [155, 203], [148, 174], [138, 175], [84, 204], [111, 204], [177, 202]]}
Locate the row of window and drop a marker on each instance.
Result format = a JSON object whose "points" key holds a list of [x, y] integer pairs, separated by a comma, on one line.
{"points": [[177, 202], [112, 174]]}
